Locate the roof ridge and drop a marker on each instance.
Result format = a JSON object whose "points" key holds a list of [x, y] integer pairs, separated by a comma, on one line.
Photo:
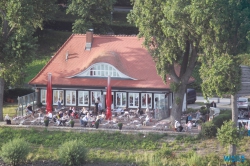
{"points": [[52, 58], [120, 35]]}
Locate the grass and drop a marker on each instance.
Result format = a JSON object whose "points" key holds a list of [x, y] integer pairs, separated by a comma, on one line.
{"points": [[49, 42], [122, 148], [9, 109]]}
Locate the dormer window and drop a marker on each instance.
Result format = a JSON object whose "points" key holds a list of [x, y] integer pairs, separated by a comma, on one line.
{"points": [[102, 70]]}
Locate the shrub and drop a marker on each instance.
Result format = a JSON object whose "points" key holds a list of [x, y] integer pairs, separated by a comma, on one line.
{"points": [[208, 130], [15, 151], [228, 134], [218, 120], [203, 110], [72, 153]]}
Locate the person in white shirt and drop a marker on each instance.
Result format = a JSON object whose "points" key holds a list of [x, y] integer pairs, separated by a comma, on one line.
{"points": [[84, 121], [147, 120], [178, 126], [7, 119]]}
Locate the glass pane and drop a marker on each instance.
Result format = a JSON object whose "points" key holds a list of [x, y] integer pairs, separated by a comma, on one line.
{"points": [[73, 97], [68, 98], [80, 98], [86, 98]]}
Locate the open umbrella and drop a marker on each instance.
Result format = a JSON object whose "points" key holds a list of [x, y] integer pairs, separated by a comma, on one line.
{"points": [[108, 100], [49, 94]]}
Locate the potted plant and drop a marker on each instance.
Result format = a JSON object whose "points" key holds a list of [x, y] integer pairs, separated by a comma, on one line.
{"points": [[120, 126], [97, 124], [46, 121], [72, 123]]}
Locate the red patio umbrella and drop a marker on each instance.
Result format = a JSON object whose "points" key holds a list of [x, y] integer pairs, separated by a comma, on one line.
{"points": [[49, 94], [108, 100]]}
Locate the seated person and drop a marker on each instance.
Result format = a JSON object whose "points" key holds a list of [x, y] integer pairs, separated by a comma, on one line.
{"points": [[7, 119], [49, 115], [60, 114], [29, 111], [84, 121], [70, 111], [189, 126], [139, 111], [102, 117], [147, 120], [178, 126], [64, 119]]}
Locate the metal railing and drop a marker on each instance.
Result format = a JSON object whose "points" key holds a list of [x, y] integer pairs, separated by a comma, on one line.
{"points": [[24, 101]]}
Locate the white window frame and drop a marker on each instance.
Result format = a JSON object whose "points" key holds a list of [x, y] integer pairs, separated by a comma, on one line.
{"points": [[134, 102], [58, 94], [102, 70], [144, 103], [157, 99], [70, 97], [83, 96], [43, 96], [94, 95], [123, 99]]}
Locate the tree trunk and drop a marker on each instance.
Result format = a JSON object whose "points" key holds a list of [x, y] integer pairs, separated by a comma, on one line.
{"points": [[232, 148], [178, 103], [1, 98]]}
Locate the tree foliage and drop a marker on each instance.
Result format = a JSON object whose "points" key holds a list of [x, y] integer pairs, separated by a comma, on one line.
{"points": [[18, 21], [178, 31], [226, 37], [90, 12], [228, 134]]}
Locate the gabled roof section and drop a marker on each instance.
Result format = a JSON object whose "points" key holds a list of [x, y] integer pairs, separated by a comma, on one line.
{"points": [[124, 53], [102, 69]]}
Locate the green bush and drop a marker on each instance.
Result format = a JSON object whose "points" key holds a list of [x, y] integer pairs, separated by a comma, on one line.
{"points": [[15, 151], [225, 116], [72, 153], [208, 130], [203, 110]]}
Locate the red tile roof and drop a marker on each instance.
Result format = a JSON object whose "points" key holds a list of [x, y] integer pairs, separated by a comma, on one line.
{"points": [[126, 53]]}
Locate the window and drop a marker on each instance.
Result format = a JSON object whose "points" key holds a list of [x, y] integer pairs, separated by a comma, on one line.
{"points": [[121, 99], [56, 95], [159, 100], [43, 96], [146, 100], [95, 95], [102, 70], [133, 100], [83, 98], [71, 97]]}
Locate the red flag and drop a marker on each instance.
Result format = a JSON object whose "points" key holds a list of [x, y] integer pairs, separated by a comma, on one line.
{"points": [[49, 94], [108, 100]]}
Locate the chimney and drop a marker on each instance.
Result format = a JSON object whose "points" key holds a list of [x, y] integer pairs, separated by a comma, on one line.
{"points": [[89, 39]]}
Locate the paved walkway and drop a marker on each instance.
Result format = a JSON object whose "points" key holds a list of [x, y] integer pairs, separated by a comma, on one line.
{"points": [[78, 128]]}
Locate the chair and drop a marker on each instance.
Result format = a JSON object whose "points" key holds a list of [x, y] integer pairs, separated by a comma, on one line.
{"points": [[158, 126], [138, 126], [33, 122]]}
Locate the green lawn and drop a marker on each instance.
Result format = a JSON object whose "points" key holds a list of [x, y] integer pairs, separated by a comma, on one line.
{"points": [[49, 43], [9, 109]]}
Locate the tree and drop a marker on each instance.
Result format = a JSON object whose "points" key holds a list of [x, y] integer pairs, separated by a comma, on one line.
{"points": [[177, 31], [172, 39], [19, 20], [226, 38], [90, 12]]}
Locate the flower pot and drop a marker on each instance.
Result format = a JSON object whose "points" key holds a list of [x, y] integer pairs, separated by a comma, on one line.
{"points": [[46, 123], [96, 125], [72, 123], [120, 126]]}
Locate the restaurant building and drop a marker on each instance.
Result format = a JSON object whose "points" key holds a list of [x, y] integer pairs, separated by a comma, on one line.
{"points": [[81, 66]]}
